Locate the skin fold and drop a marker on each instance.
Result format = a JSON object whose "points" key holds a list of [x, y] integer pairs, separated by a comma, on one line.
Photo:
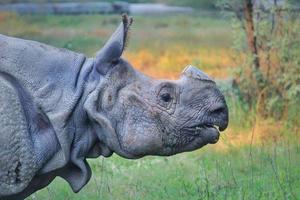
{"points": [[60, 108]]}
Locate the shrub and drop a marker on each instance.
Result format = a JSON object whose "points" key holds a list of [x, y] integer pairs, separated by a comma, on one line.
{"points": [[269, 77]]}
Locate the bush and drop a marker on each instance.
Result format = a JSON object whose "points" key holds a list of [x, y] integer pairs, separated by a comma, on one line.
{"points": [[269, 76]]}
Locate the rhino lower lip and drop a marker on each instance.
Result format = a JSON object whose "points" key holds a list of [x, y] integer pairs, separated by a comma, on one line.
{"points": [[214, 137]]}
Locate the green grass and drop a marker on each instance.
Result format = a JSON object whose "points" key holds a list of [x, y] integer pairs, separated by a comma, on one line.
{"points": [[261, 172]]}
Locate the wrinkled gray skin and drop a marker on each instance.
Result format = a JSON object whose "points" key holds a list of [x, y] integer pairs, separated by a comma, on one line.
{"points": [[58, 108]]}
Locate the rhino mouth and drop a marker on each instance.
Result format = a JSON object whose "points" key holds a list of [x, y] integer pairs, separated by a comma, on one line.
{"points": [[209, 132]]}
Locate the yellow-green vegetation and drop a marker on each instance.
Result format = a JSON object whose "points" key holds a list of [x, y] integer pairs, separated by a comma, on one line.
{"points": [[160, 45], [255, 158]]}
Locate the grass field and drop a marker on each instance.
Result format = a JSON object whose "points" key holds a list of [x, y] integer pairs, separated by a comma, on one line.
{"points": [[203, 41], [261, 172], [254, 159]]}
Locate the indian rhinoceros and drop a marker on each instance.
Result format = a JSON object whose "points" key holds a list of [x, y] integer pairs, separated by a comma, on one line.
{"points": [[58, 108]]}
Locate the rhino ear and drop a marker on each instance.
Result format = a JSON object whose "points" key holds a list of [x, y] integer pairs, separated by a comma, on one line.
{"points": [[113, 49]]}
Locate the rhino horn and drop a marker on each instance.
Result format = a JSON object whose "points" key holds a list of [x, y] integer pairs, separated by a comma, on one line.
{"points": [[195, 73], [114, 47]]}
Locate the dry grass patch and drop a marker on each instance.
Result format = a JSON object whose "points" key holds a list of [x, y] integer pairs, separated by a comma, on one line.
{"points": [[170, 62]]}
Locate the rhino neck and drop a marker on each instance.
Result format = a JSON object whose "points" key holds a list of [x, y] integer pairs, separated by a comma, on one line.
{"points": [[83, 135], [87, 133]]}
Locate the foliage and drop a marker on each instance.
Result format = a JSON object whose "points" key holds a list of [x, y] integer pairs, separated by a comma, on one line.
{"points": [[277, 30]]}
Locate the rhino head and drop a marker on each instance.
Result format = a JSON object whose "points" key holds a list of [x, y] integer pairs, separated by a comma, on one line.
{"points": [[135, 115]]}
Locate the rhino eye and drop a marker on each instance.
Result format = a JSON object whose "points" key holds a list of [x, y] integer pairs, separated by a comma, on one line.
{"points": [[166, 97]]}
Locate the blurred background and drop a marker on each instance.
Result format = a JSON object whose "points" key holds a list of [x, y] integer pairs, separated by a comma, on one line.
{"points": [[250, 47]]}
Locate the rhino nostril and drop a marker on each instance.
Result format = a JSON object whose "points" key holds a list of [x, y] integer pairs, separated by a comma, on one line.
{"points": [[219, 115], [218, 109]]}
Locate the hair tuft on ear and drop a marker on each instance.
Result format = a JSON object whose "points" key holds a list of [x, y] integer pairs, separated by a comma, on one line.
{"points": [[127, 21]]}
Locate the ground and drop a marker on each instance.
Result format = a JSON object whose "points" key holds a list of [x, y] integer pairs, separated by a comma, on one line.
{"points": [[254, 159]]}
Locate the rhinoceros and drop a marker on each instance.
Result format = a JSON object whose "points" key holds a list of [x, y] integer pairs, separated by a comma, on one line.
{"points": [[58, 108]]}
